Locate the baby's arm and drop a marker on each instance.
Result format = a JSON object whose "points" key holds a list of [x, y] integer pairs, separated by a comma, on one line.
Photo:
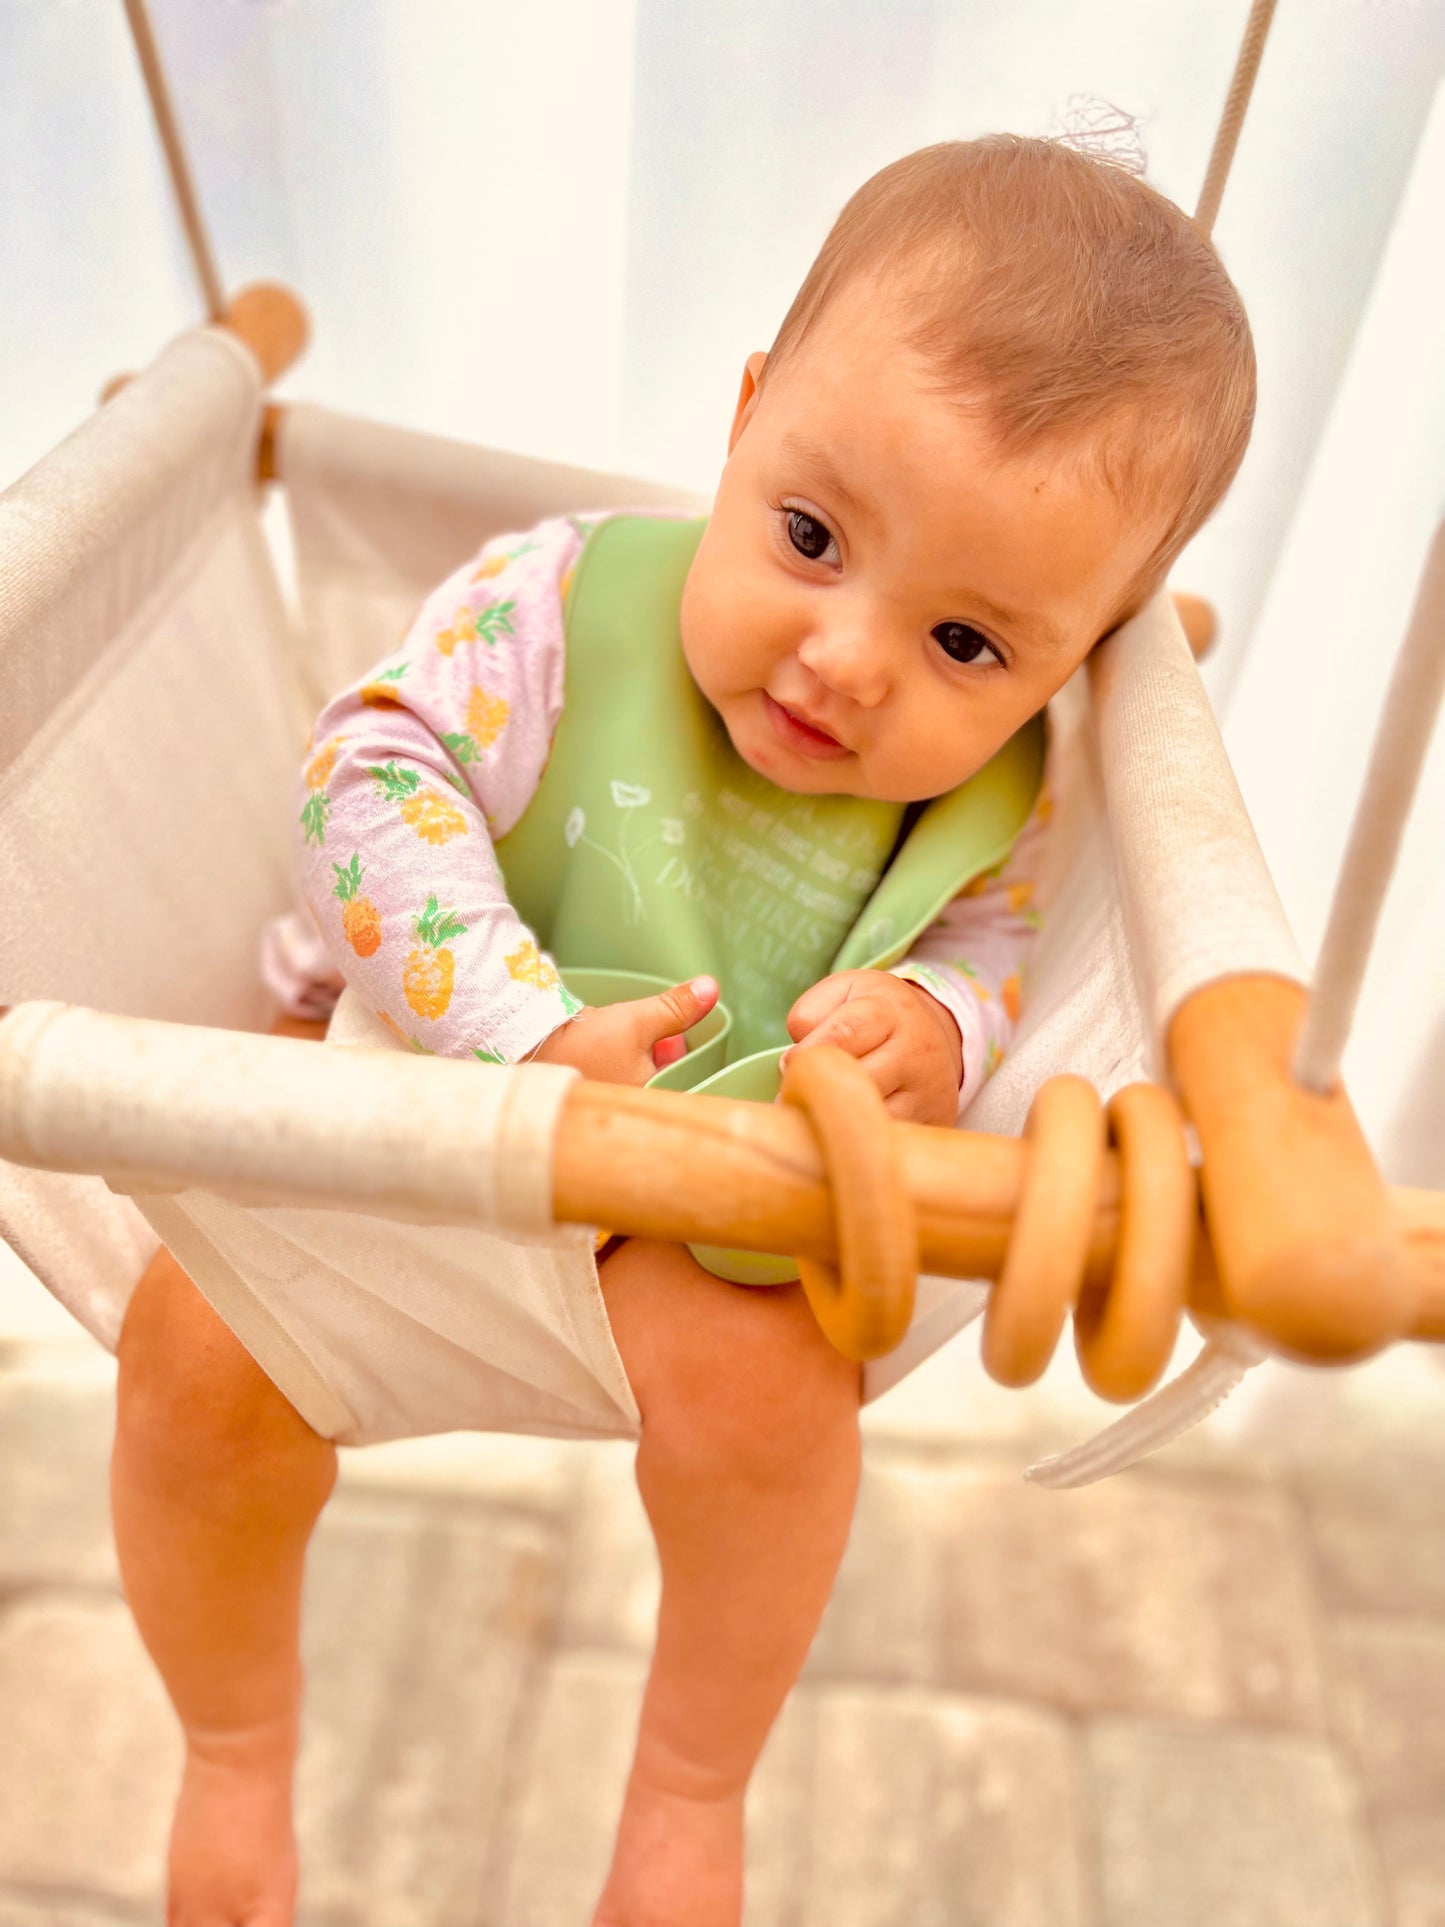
{"points": [[973, 959], [935, 1026], [411, 775]]}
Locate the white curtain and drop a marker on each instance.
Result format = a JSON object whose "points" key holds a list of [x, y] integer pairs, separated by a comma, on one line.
{"points": [[562, 229], [1310, 688]]}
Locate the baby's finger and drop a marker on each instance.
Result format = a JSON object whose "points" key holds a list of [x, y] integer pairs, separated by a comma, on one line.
{"points": [[817, 1003], [913, 1091], [663, 1019], [858, 1026]]}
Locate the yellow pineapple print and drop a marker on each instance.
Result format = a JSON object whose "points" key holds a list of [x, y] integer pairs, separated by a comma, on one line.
{"points": [[1019, 895], [360, 918], [318, 770], [423, 809], [493, 565], [468, 624], [980, 988], [461, 629], [431, 968], [380, 693], [527, 965], [486, 719], [434, 819], [1009, 991], [486, 716]]}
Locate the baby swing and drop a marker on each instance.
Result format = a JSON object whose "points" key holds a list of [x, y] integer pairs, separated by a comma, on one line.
{"points": [[135, 562]]}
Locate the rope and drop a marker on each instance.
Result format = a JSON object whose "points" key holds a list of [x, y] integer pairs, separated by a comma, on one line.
{"points": [[1402, 740], [1227, 139], [187, 204], [1201, 1388]]}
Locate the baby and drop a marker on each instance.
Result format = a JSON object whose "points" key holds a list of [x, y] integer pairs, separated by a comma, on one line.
{"points": [[791, 757]]}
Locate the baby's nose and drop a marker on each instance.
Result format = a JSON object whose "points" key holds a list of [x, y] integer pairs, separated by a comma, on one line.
{"points": [[849, 664]]}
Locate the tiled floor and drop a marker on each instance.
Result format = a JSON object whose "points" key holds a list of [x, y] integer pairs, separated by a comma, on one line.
{"points": [[1210, 1691]]}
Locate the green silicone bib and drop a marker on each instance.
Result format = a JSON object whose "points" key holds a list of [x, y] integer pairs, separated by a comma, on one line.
{"points": [[652, 848]]}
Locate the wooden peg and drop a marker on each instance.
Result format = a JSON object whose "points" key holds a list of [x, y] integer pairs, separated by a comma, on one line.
{"points": [[275, 327], [272, 323], [1198, 621]]}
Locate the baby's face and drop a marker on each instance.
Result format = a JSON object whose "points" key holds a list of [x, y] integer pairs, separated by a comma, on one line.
{"points": [[881, 599]]}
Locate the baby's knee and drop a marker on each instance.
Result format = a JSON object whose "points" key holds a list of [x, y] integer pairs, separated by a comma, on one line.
{"points": [[189, 1393], [748, 1382]]}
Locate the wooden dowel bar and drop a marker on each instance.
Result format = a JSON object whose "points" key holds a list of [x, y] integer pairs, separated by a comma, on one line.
{"points": [[147, 1105], [765, 1189]]}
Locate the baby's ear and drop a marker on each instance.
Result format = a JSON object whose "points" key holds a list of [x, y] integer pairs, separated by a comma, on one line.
{"points": [[747, 396]]}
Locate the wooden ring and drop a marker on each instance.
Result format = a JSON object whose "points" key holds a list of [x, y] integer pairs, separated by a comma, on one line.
{"points": [[1125, 1335], [1044, 1265], [865, 1311]]}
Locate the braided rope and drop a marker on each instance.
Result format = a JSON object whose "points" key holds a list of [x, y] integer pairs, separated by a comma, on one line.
{"points": [[1251, 51]]}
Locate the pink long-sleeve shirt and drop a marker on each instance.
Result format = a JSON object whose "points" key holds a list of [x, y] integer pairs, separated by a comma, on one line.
{"points": [[416, 770]]}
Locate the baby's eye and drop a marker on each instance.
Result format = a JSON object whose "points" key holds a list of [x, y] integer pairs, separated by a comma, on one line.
{"points": [[962, 642], [809, 536]]}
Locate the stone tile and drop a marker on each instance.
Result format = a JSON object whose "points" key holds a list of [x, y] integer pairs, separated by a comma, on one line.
{"points": [[91, 1752], [1146, 1595], [885, 1619], [569, 1778], [1376, 1521], [871, 1806], [875, 1806], [501, 1469], [424, 1630], [55, 1432], [613, 1581], [1141, 1595], [1389, 1679], [1200, 1829]]}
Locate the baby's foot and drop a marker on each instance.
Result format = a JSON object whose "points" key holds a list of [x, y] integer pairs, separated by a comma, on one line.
{"points": [[678, 1862], [233, 1846]]}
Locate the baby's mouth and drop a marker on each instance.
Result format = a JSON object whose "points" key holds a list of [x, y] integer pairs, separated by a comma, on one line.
{"points": [[796, 733]]}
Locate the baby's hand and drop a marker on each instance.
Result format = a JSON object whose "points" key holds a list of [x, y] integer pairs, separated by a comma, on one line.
{"points": [[626, 1043], [904, 1038]]}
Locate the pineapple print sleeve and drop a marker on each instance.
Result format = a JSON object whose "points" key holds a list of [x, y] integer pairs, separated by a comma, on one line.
{"points": [[411, 775], [974, 959]]}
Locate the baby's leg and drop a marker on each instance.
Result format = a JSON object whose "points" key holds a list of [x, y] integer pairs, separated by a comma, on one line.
{"points": [[748, 1468], [216, 1483]]}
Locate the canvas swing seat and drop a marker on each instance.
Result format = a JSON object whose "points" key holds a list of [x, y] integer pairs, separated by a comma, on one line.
{"points": [[158, 696]]}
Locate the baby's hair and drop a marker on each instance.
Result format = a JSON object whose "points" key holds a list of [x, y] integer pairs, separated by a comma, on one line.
{"points": [[1068, 301]]}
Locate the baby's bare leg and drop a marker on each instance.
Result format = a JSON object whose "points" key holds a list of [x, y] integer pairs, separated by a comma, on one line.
{"points": [[216, 1483], [748, 1468]]}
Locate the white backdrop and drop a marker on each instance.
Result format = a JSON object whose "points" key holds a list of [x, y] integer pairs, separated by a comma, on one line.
{"points": [[563, 228]]}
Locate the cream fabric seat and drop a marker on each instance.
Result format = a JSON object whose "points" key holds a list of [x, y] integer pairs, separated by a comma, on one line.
{"points": [[158, 698]]}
